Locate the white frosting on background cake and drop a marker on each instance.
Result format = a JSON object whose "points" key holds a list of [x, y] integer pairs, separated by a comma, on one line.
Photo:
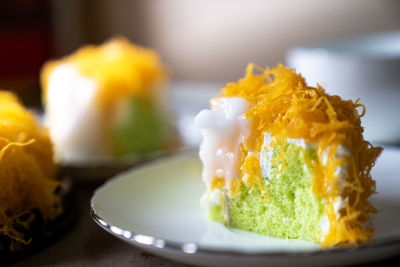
{"points": [[71, 115]]}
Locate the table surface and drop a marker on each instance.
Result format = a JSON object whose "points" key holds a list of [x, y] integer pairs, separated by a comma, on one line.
{"points": [[86, 244]]}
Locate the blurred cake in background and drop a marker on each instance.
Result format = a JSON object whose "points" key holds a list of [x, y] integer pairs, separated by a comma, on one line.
{"points": [[29, 194], [106, 101]]}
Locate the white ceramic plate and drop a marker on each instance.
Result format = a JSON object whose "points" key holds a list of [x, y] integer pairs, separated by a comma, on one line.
{"points": [[156, 207]]}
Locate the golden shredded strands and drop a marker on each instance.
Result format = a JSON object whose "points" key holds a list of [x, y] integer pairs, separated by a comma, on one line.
{"points": [[283, 105], [27, 171]]}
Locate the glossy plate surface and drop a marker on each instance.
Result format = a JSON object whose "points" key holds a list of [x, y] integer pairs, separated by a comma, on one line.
{"points": [[156, 207]]}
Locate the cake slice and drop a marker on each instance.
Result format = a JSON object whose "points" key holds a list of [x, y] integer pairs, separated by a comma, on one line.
{"points": [[107, 101], [287, 160]]}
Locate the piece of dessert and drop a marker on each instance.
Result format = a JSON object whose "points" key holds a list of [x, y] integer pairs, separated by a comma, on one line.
{"points": [[287, 160], [29, 192], [106, 101]]}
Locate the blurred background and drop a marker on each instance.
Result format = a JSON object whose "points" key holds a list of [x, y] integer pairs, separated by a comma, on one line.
{"points": [[204, 41]]}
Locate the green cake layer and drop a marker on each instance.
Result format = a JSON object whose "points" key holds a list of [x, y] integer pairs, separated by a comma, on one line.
{"points": [[289, 210], [142, 129]]}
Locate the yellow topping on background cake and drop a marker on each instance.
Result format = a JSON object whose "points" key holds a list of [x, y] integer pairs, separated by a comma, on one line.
{"points": [[120, 68]]}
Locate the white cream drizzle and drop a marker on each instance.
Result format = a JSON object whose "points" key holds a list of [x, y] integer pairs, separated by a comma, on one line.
{"points": [[211, 198], [224, 128]]}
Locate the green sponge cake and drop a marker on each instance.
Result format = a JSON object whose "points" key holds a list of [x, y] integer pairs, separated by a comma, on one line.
{"points": [[287, 160]]}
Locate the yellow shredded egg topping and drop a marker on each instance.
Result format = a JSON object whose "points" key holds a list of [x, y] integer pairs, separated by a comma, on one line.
{"points": [[121, 70], [283, 105], [27, 171]]}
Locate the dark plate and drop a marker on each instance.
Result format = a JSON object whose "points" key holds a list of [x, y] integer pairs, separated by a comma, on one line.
{"points": [[53, 231]]}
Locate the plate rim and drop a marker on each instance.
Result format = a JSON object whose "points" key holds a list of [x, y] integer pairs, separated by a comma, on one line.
{"points": [[191, 248]]}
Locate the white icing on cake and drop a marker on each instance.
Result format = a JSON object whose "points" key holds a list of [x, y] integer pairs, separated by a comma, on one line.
{"points": [[71, 116], [324, 225], [266, 152], [224, 128], [211, 198]]}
